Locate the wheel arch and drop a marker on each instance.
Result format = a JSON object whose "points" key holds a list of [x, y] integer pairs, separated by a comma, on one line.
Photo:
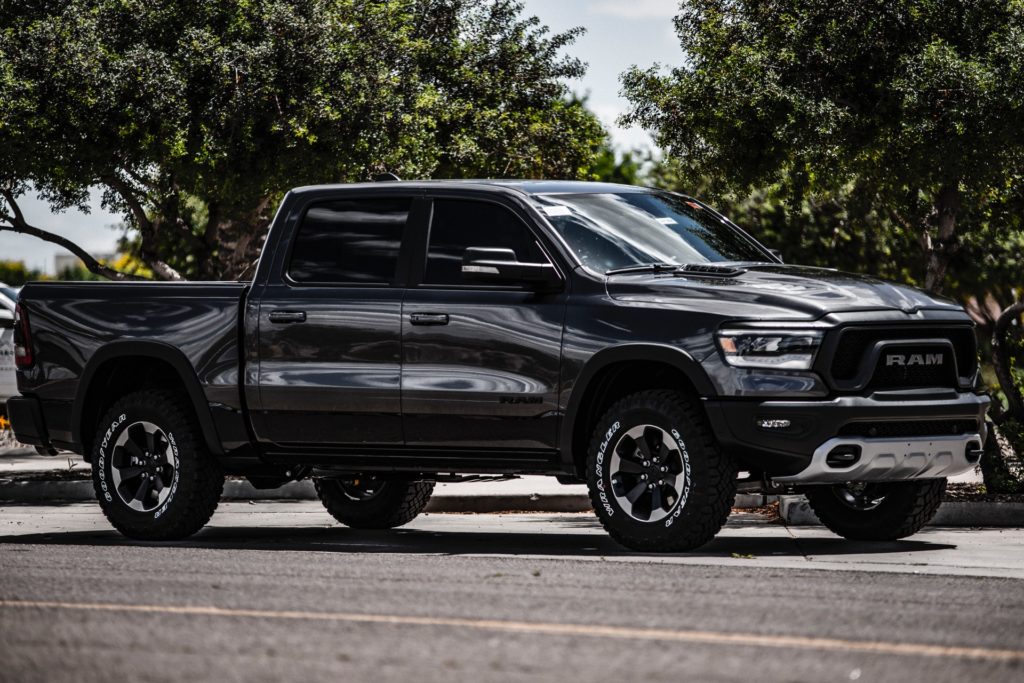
{"points": [[124, 366], [601, 380]]}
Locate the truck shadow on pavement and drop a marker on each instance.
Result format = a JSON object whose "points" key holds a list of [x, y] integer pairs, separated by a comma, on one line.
{"points": [[557, 536]]}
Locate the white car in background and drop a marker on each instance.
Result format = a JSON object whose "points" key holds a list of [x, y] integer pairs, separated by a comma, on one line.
{"points": [[8, 380]]}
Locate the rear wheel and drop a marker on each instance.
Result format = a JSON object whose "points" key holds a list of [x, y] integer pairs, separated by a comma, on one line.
{"points": [[883, 511], [152, 474], [369, 502], [657, 479]]}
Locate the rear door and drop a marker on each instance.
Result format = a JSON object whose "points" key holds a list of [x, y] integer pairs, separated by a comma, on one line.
{"points": [[480, 363], [329, 330]]}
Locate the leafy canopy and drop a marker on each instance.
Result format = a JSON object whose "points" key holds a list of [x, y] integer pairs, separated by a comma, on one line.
{"points": [[919, 103], [195, 116]]}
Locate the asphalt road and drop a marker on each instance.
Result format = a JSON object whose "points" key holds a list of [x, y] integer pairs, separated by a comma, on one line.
{"points": [[275, 592]]}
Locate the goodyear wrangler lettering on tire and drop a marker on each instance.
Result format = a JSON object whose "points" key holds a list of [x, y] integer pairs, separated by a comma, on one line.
{"points": [[102, 460], [603, 495], [173, 448], [657, 479], [684, 492]]}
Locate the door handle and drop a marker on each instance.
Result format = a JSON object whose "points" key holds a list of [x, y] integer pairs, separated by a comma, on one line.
{"points": [[288, 317], [429, 318]]}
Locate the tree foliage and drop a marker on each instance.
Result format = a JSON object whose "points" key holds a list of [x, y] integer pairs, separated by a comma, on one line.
{"points": [[914, 106], [195, 117]]}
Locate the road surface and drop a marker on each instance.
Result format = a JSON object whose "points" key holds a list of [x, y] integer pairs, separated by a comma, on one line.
{"points": [[275, 591]]}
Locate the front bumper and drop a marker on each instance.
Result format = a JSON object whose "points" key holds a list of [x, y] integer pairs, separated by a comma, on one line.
{"points": [[816, 427]]}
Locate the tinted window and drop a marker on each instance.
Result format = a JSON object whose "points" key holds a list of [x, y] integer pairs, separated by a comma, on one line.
{"points": [[611, 230], [353, 241], [458, 224]]}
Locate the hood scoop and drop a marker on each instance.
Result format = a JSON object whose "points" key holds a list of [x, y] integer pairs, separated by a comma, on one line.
{"points": [[708, 269]]}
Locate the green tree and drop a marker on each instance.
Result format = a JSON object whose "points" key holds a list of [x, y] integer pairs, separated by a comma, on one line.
{"points": [[834, 229], [16, 273], [610, 166], [195, 117], [917, 105]]}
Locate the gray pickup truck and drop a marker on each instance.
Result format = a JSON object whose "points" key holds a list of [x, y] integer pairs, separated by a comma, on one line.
{"points": [[397, 334]]}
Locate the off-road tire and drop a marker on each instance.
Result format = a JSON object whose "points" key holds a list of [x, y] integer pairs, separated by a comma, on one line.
{"points": [[906, 508], [199, 481], [398, 503], [707, 491]]}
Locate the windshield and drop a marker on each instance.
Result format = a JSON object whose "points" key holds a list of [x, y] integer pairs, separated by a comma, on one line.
{"points": [[618, 230]]}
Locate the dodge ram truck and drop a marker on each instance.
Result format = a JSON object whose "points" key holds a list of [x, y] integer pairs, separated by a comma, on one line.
{"points": [[397, 334]]}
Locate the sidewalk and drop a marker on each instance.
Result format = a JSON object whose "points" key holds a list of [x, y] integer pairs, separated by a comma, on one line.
{"points": [[26, 477]]}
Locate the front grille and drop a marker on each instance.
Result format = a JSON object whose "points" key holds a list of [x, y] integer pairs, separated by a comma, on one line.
{"points": [[909, 428], [854, 343]]}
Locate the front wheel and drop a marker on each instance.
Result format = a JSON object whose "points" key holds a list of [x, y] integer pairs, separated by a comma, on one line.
{"points": [[877, 511], [657, 479], [369, 502]]}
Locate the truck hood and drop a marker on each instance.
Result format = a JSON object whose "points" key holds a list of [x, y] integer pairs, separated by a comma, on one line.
{"points": [[774, 289]]}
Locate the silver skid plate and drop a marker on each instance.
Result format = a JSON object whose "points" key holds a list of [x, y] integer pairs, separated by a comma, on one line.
{"points": [[891, 460]]}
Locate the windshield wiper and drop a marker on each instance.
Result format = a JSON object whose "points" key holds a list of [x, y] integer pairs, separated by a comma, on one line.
{"points": [[645, 268]]}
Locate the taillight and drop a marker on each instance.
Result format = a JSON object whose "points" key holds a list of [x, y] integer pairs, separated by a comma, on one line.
{"points": [[22, 338]]}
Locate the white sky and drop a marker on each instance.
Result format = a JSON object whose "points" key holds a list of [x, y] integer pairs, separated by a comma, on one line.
{"points": [[620, 33]]}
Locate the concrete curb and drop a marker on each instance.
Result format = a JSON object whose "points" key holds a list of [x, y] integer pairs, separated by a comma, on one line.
{"points": [[42, 492], [795, 511]]}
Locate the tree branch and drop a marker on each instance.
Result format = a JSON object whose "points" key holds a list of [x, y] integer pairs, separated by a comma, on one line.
{"points": [[17, 223], [128, 195], [161, 269], [1001, 359], [139, 179]]}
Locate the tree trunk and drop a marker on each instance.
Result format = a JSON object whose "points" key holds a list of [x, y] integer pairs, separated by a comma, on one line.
{"points": [[240, 240], [940, 249], [1001, 360]]}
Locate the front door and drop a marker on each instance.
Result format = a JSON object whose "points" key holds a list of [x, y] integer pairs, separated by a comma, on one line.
{"points": [[480, 364], [330, 330]]}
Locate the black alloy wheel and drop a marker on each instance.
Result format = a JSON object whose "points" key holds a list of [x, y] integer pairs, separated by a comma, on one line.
{"points": [[645, 466], [143, 467]]}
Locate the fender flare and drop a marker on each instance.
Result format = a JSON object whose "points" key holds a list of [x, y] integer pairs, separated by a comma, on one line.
{"points": [[661, 353], [147, 349]]}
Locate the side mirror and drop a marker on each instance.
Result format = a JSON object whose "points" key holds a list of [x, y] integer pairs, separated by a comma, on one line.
{"points": [[501, 267], [777, 254]]}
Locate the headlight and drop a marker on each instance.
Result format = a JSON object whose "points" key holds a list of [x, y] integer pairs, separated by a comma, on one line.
{"points": [[770, 349]]}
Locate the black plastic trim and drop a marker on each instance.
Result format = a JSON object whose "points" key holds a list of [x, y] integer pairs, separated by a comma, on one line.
{"points": [[669, 355], [399, 459]]}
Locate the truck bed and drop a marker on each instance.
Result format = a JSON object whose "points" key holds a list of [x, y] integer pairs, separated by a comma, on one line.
{"points": [[194, 322]]}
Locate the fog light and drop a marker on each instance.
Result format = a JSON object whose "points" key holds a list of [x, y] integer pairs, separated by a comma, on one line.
{"points": [[774, 424], [843, 456], [974, 452]]}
